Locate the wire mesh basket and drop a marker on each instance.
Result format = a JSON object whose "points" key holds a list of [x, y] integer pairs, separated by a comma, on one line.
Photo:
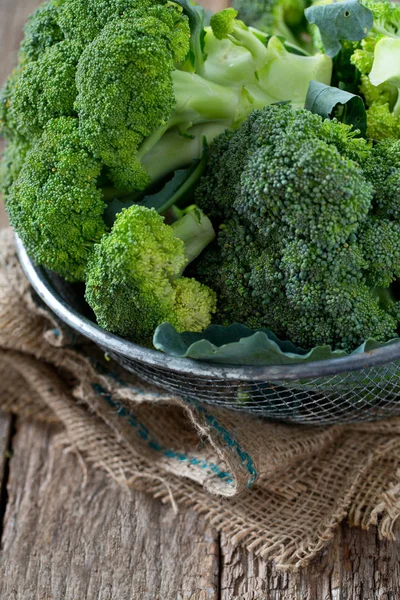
{"points": [[361, 387]]}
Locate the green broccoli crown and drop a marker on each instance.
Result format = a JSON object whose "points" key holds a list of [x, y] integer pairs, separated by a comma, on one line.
{"points": [[277, 263], [133, 279], [41, 31], [125, 88], [43, 90], [380, 242], [294, 166], [12, 162], [55, 204]]}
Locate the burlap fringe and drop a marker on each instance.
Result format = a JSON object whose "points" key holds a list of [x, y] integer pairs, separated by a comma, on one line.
{"points": [[278, 490]]}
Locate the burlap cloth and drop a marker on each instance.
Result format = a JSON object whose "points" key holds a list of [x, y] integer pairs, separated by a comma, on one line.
{"points": [[278, 490]]}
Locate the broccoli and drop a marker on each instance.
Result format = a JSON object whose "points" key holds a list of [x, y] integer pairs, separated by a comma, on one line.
{"points": [[55, 204], [376, 58], [139, 86], [278, 17], [293, 166], [132, 72], [304, 247], [382, 169], [134, 280]]}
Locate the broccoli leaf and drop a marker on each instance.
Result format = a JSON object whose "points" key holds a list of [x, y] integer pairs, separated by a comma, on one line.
{"points": [[329, 102], [239, 345], [340, 21]]}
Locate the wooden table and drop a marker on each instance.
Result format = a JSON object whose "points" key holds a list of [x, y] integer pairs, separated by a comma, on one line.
{"points": [[71, 534]]}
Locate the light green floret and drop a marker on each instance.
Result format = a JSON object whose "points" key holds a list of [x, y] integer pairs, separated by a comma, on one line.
{"points": [[377, 59], [133, 280], [12, 162], [55, 205], [45, 89]]}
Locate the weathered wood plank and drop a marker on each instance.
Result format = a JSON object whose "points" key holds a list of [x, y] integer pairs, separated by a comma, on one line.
{"points": [[70, 538], [355, 566]]}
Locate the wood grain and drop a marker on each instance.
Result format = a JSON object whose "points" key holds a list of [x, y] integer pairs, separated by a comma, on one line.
{"points": [[74, 535], [355, 566]]}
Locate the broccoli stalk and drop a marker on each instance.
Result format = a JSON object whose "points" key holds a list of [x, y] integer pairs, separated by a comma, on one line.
{"points": [[196, 231]]}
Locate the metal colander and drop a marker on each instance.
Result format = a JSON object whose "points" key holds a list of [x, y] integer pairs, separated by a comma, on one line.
{"points": [[362, 387]]}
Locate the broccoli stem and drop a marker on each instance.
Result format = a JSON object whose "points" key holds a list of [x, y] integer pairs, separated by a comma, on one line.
{"points": [[196, 231], [199, 100], [176, 150]]}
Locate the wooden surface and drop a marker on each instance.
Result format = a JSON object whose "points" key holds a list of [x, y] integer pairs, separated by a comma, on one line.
{"points": [[72, 534], [69, 534]]}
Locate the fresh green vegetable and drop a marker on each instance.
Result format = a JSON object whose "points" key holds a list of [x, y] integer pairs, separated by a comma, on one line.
{"points": [[376, 59], [134, 280], [141, 84], [302, 249]]}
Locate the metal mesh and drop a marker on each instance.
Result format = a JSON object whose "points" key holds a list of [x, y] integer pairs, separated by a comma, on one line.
{"points": [[365, 387], [365, 395]]}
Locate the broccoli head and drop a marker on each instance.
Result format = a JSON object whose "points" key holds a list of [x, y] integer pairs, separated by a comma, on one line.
{"points": [[277, 263], [294, 166], [134, 278], [55, 204]]}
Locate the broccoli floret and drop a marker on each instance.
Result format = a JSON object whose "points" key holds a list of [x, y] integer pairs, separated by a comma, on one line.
{"points": [[293, 166], [380, 242], [55, 204], [43, 90], [41, 31], [383, 171], [134, 278], [125, 89], [278, 17], [12, 162], [377, 59], [293, 253]]}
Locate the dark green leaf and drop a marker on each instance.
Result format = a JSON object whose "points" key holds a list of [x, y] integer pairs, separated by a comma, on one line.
{"points": [[331, 102], [239, 345], [340, 21]]}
